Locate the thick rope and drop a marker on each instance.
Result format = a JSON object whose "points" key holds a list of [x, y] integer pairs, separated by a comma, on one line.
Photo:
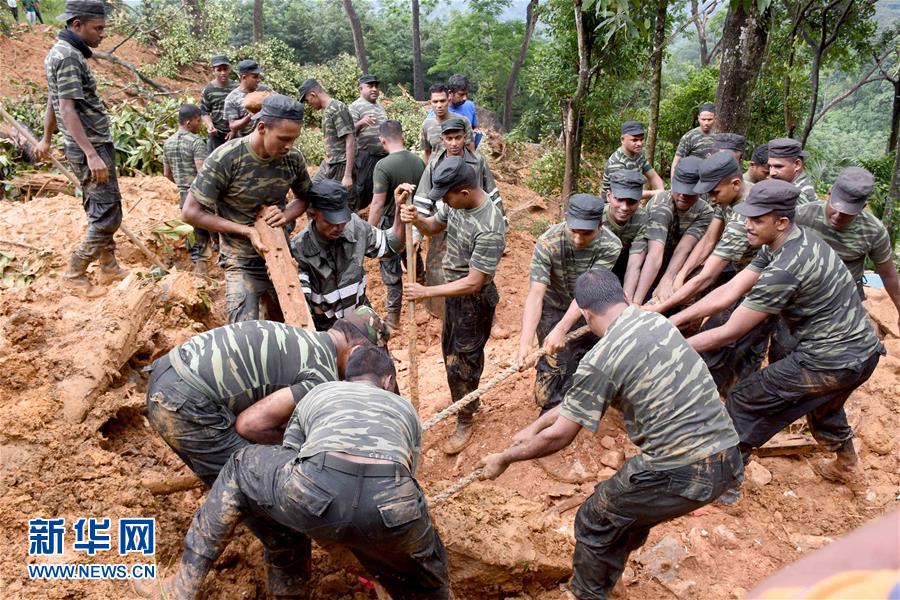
{"points": [[456, 487], [493, 382]]}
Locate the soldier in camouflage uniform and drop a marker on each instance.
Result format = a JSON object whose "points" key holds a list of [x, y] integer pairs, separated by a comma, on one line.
{"points": [[212, 102], [627, 219], [74, 106], [367, 117], [630, 156], [400, 166], [340, 141], [786, 163], [243, 176], [476, 237], [689, 456], [183, 156], [240, 121], [561, 254], [453, 143], [759, 165], [345, 474], [676, 220], [430, 141], [699, 140], [797, 275], [732, 142], [331, 252]]}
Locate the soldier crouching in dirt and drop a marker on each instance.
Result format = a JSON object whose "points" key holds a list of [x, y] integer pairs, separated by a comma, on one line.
{"points": [[689, 449], [239, 178], [345, 474], [74, 106]]}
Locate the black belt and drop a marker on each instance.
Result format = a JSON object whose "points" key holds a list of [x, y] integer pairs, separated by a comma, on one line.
{"points": [[326, 459]]}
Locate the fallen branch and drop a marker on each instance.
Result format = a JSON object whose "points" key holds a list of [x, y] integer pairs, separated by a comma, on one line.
{"points": [[122, 63], [163, 487], [282, 272]]}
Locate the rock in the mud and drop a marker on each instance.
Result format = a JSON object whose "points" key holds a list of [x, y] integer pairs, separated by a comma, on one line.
{"points": [[757, 474], [809, 542], [725, 537], [876, 436], [608, 442], [662, 560], [613, 458], [499, 332]]}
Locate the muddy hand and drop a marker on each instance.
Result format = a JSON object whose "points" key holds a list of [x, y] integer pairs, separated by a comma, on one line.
{"points": [[273, 216], [98, 168], [494, 465], [409, 214], [403, 191], [414, 291], [256, 241], [555, 341]]}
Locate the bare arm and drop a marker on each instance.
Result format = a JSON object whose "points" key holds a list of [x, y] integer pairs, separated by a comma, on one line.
{"points": [[888, 273], [649, 270], [376, 209], [682, 250], [350, 150], [534, 303], [198, 164], [742, 320], [264, 421], [701, 251], [675, 160], [471, 283], [655, 182], [556, 339], [167, 173], [43, 147], [549, 440], [99, 170], [427, 225], [723, 297], [208, 122], [711, 270], [235, 125], [632, 272], [193, 214]]}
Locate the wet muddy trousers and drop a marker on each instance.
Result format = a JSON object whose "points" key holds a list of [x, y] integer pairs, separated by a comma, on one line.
{"points": [[616, 519], [377, 511], [553, 374], [102, 202]]}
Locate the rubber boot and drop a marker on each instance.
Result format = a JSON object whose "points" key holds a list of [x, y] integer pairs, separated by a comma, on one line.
{"points": [[76, 277], [109, 267], [844, 468], [461, 438], [282, 585], [393, 319]]}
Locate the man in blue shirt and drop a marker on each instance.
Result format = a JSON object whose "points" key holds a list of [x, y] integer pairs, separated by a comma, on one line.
{"points": [[460, 103]]}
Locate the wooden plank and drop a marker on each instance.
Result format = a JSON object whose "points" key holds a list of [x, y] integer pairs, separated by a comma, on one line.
{"points": [[284, 273], [786, 444]]}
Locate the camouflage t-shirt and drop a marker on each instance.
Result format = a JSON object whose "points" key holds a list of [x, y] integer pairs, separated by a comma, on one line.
{"points": [[476, 238], [69, 77], [695, 143], [734, 245], [430, 136], [179, 152], [337, 124], [807, 189], [632, 233], [235, 183], [358, 419], [865, 236], [367, 138], [212, 103], [645, 368], [239, 364], [664, 227], [807, 283], [556, 263], [619, 161], [233, 108], [392, 170]]}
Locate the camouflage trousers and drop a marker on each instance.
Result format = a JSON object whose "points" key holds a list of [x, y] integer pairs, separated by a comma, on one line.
{"points": [[102, 201], [467, 328], [200, 249], [247, 287], [365, 168], [771, 399], [377, 511], [215, 140], [434, 272], [553, 374], [336, 171], [616, 519]]}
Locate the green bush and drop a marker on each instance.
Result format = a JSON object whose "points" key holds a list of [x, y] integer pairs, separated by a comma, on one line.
{"points": [[139, 133], [312, 145], [410, 113]]}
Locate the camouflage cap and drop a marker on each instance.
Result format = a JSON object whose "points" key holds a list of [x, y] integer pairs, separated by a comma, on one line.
{"points": [[370, 324], [585, 211], [851, 189], [93, 9]]}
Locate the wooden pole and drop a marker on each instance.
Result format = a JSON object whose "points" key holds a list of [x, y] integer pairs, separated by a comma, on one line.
{"points": [[412, 330], [71, 177], [283, 272]]}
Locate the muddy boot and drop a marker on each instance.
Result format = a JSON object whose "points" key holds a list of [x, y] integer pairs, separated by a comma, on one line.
{"points": [[393, 319], [282, 585], [161, 589], [109, 267], [76, 277], [200, 267], [843, 469], [461, 437]]}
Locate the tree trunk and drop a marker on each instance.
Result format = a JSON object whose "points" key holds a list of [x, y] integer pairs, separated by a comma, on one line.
{"points": [[656, 60], [196, 17], [257, 21], [893, 197], [745, 35], [572, 110], [895, 120], [531, 15], [418, 74], [358, 44], [700, 23]]}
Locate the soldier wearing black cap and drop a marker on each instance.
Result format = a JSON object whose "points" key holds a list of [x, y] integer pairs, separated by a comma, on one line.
{"points": [[367, 116], [476, 232], [332, 249], [798, 276], [212, 102], [453, 143], [243, 176], [339, 163], [630, 156], [759, 165], [699, 140], [676, 220], [75, 107], [733, 142], [238, 117], [561, 254], [625, 217], [786, 163]]}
